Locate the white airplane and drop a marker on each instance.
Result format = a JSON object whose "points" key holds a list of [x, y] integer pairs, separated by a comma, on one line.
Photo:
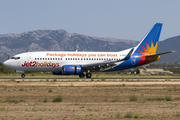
{"points": [[78, 63]]}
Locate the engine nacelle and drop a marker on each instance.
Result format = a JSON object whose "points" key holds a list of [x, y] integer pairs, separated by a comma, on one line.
{"points": [[72, 70], [57, 73]]}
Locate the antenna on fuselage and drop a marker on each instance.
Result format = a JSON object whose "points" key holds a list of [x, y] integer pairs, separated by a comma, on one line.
{"points": [[77, 47]]}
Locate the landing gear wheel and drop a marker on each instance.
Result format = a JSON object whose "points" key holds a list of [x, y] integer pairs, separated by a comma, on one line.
{"points": [[81, 76], [23, 75], [88, 75]]}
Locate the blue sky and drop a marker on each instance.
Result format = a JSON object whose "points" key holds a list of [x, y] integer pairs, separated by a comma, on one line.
{"points": [[123, 19]]}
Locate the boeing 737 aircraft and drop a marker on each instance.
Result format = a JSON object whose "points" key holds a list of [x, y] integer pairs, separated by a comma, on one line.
{"points": [[78, 63]]}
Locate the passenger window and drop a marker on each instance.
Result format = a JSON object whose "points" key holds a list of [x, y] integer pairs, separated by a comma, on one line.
{"points": [[37, 58], [75, 58], [45, 58], [50, 58]]}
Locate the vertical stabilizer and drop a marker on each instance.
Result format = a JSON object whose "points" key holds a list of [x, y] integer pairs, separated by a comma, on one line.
{"points": [[149, 43]]}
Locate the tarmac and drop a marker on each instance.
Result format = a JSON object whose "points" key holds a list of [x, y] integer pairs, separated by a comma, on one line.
{"points": [[107, 79]]}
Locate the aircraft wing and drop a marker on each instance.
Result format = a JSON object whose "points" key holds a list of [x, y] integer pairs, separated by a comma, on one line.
{"points": [[105, 65]]}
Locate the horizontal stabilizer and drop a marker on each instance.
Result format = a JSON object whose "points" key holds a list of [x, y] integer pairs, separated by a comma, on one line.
{"points": [[161, 54]]}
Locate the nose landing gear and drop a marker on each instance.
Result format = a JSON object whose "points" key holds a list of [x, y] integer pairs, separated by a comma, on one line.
{"points": [[23, 75]]}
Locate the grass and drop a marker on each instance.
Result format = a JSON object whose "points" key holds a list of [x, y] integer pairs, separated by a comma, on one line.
{"points": [[133, 98], [12, 80], [57, 99], [115, 99], [21, 89], [158, 98], [45, 99], [128, 115], [136, 116], [50, 90], [2, 109], [168, 107], [177, 98], [14, 100], [118, 115]]}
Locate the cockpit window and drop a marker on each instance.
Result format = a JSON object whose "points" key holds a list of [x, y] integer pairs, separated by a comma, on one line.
{"points": [[16, 58]]}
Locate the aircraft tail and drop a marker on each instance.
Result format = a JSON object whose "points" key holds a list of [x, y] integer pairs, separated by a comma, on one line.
{"points": [[149, 43]]}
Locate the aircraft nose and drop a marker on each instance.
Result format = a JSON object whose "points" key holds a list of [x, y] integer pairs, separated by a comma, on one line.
{"points": [[6, 63]]}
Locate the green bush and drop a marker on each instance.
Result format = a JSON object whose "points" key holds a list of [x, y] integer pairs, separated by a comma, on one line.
{"points": [[50, 90], [58, 99], [54, 79], [128, 115], [133, 98], [168, 98], [45, 99], [118, 115], [158, 98], [136, 116]]}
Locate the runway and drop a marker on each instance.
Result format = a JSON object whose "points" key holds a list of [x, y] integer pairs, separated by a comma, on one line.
{"points": [[107, 79]]}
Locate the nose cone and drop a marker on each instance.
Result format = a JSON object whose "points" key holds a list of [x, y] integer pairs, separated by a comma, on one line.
{"points": [[7, 63]]}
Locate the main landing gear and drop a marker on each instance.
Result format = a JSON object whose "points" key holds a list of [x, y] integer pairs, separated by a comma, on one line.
{"points": [[81, 76], [23, 75], [88, 75]]}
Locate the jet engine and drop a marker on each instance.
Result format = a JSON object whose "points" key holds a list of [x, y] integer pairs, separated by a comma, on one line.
{"points": [[72, 70]]}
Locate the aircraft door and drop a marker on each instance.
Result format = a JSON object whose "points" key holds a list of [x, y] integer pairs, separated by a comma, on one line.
{"points": [[29, 57]]}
